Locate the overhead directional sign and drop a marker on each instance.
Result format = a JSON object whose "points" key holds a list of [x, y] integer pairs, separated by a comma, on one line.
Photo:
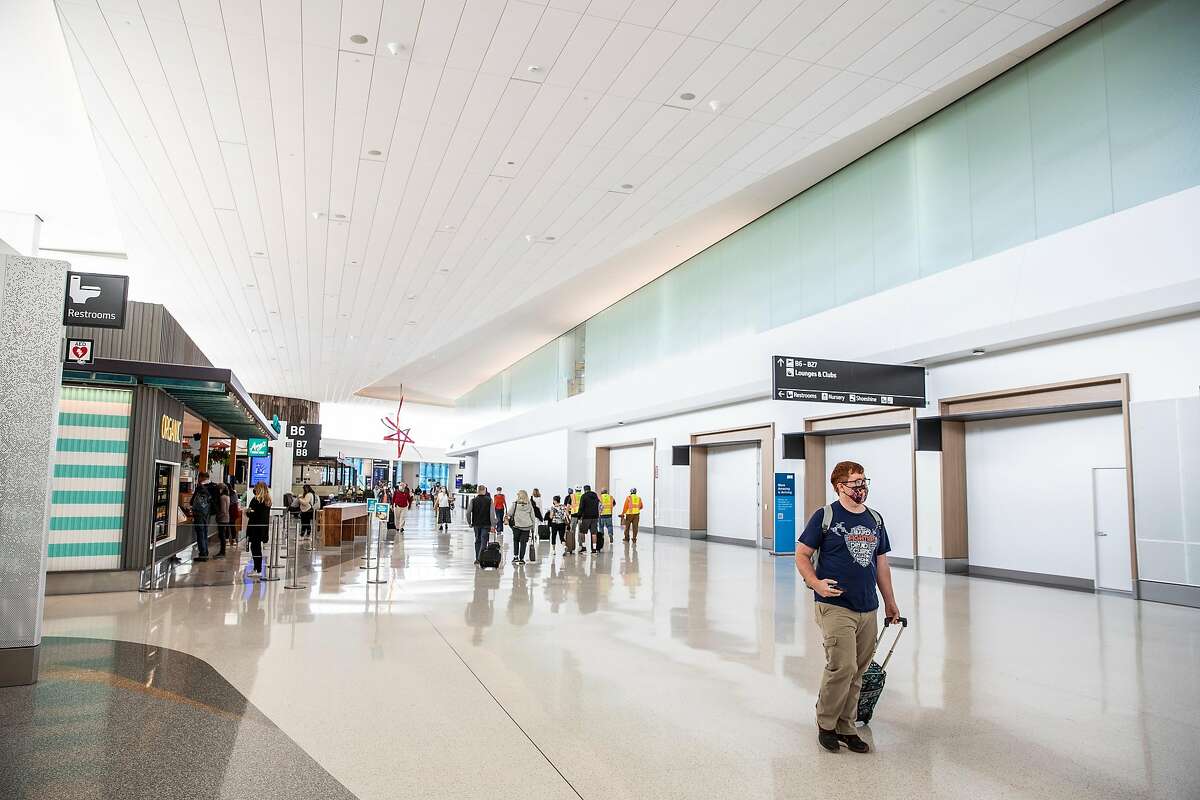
{"points": [[307, 439], [820, 380]]}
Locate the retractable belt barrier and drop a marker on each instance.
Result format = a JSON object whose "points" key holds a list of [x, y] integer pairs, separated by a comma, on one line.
{"points": [[277, 530], [380, 535], [292, 529]]}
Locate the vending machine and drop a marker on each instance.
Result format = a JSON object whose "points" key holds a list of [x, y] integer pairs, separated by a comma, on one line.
{"points": [[166, 501]]}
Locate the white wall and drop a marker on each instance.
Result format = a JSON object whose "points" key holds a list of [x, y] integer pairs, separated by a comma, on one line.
{"points": [[887, 458], [537, 462], [734, 492], [632, 467], [1029, 490]]}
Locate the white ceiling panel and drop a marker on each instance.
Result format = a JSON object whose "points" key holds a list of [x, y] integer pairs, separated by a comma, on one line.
{"points": [[335, 191]]}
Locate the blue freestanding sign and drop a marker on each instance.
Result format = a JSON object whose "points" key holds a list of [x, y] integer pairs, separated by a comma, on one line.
{"points": [[260, 470], [785, 513]]}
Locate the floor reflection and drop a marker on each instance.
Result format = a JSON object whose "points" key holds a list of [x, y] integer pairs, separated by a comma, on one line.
{"points": [[695, 664]]}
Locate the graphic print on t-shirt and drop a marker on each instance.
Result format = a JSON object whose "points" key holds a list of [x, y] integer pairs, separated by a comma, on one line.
{"points": [[860, 541]]}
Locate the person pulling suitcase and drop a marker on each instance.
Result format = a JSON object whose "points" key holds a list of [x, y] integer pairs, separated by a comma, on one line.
{"points": [[851, 545]]}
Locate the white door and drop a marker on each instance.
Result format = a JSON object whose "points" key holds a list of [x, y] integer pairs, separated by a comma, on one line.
{"points": [[632, 468], [734, 492], [1111, 501]]}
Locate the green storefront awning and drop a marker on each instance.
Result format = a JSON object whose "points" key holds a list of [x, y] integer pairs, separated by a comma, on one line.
{"points": [[212, 394]]}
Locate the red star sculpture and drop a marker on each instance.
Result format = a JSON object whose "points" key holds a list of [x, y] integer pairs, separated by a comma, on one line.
{"points": [[398, 435]]}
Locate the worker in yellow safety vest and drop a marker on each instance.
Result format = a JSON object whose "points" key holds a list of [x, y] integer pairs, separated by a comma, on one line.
{"points": [[607, 502], [576, 497], [631, 514]]}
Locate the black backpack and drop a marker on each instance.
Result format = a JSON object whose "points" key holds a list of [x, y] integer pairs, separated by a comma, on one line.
{"points": [[201, 500], [490, 557]]}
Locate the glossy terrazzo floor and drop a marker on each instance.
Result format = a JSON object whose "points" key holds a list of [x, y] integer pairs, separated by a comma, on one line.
{"points": [[676, 670]]}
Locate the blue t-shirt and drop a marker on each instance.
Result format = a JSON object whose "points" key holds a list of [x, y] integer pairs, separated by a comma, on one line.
{"points": [[847, 554]]}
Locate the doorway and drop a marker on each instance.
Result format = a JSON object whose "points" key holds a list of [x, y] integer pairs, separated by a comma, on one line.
{"points": [[1110, 504], [632, 468], [735, 493]]}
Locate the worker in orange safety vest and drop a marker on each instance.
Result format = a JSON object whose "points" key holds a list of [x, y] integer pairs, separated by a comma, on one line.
{"points": [[631, 514]]}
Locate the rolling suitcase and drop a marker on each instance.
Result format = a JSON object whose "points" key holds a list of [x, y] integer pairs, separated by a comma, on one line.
{"points": [[875, 675], [543, 532], [491, 557], [570, 537]]}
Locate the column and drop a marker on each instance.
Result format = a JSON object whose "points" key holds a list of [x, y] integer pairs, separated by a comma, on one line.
{"points": [[31, 331]]}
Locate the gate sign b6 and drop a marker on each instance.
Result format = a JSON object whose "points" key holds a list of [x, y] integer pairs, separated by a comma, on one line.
{"points": [[306, 439]]}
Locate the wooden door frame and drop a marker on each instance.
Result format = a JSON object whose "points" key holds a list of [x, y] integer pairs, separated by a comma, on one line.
{"points": [[764, 436], [603, 461], [849, 423], [1084, 394]]}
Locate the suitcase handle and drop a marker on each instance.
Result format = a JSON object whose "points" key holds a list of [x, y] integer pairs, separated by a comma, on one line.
{"points": [[896, 641]]}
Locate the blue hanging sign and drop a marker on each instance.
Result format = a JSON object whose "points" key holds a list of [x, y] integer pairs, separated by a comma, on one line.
{"points": [[785, 513]]}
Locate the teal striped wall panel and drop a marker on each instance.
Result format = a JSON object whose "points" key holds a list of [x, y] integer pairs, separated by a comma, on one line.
{"points": [[87, 500]]}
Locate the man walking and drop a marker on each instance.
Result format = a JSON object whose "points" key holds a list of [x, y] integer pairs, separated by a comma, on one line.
{"points": [[501, 508], [631, 514], [589, 519], [202, 506], [852, 543], [480, 517], [401, 501]]}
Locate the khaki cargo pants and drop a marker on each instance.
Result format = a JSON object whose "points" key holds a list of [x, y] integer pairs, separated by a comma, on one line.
{"points": [[849, 640]]}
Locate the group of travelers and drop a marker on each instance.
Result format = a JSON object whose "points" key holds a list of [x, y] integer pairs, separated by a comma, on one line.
{"points": [[218, 503], [580, 523], [403, 499]]}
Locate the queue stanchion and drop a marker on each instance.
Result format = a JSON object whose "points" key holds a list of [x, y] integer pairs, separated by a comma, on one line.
{"points": [[366, 559], [314, 530], [276, 529], [294, 563], [381, 534], [287, 526]]}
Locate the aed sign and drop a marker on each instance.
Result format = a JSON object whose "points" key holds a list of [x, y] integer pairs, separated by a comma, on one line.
{"points": [[171, 429], [81, 351], [94, 300], [257, 448]]}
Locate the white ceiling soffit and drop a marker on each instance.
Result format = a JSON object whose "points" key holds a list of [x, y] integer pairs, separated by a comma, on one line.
{"points": [[347, 194]]}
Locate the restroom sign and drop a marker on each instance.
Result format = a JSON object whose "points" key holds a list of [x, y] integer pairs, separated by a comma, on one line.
{"points": [[80, 351]]}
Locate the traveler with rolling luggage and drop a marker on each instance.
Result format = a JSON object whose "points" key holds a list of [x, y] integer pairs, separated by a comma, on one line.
{"points": [[480, 517], [851, 543], [589, 521]]}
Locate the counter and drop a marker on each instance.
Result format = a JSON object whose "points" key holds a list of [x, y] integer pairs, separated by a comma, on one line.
{"points": [[341, 522]]}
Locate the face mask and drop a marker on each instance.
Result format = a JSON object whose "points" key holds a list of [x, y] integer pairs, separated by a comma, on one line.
{"points": [[858, 494]]}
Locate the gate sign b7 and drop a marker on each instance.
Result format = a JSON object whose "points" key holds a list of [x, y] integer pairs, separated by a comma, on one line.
{"points": [[306, 439], [820, 380]]}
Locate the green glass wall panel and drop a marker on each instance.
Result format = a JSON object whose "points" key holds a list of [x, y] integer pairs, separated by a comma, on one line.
{"points": [[818, 252], [943, 190], [894, 219], [1152, 72], [1105, 119], [1069, 122], [1001, 165]]}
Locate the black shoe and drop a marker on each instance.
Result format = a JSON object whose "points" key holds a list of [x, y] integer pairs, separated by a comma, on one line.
{"points": [[829, 740], [855, 743], [200, 558]]}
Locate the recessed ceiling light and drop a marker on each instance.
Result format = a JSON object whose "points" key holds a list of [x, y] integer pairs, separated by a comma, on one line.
{"points": [[249, 285], [259, 253], [374, 152], [510, 163], [978, 351], [715, 105], [358, 38], [449, 227], [273, 313], [550, 238], [626, 185], [412, 322], [687, 96], [339, 216], [394, 48], [534, 68], [529, 237], [345, 316], [318, 214], [444, 269], [353, 262], [412, 297]]}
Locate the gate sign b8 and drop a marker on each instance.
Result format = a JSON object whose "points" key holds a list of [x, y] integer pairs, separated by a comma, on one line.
{"points": [[306, 439]]}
